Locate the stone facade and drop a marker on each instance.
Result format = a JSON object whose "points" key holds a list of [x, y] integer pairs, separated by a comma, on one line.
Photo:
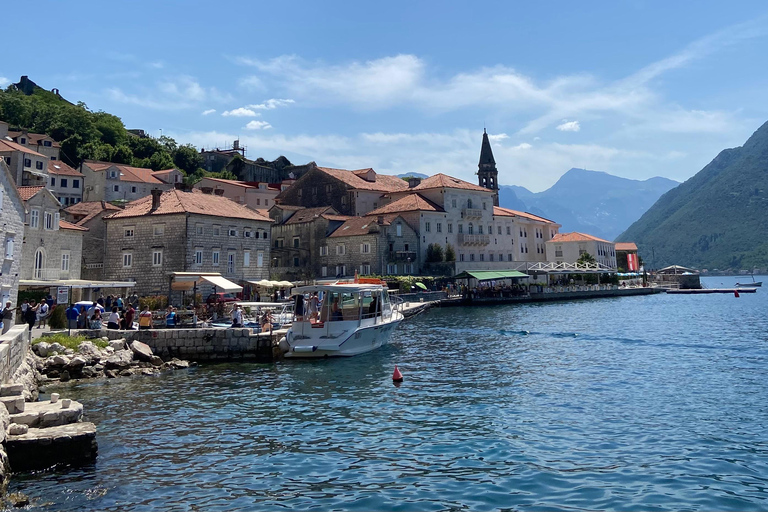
{"points": [[146, 248], [52, 248], [11, 236], [90, 215], [28, 167], [257, 196], [105, 181], [65, 182]]}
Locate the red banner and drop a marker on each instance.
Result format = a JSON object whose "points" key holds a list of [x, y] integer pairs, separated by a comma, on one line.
{"points": [[632, 265]]}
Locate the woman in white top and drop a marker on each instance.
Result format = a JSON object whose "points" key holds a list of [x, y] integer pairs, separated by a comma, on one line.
{"points": [[113, 322], [237, 316]]}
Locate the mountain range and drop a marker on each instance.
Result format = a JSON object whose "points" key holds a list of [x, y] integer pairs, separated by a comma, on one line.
{"points": [[717, 219], [592, 202]]}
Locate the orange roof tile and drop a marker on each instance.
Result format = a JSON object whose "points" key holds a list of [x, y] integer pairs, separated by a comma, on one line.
{"points": [[357, 226], [576, 237], [7, 145], [63, 224], [35, 138], [383, 183], [59, 167], [193, 201], [409, 203], [26, 193], [231, 182], [626, 246], [444, 181], [506, 212], [89, 210]]}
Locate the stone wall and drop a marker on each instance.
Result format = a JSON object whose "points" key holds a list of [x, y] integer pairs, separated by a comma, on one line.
{"points": [[11, 229], [317, 188], [14, 346], [200, 344]]}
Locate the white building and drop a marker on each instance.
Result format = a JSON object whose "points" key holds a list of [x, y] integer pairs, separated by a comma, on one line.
{"points": [[65, 182], [569, 247], [107, 181]]}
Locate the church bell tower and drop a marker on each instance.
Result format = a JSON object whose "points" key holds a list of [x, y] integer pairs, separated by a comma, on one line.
{"points": [[487, 175]]}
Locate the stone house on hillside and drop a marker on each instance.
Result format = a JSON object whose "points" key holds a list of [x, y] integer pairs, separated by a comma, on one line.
{"points": [[90, 215], [107, 181], [569, 247], [297, 237], [38, 142], [28, 167], [176, 231], [348, 192], [257, 171], [254, 195], [65, 182], [380, 245], [53, 247], [13, 214]]}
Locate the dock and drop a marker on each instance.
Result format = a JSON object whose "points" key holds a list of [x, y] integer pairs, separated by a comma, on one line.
{"points": [[691, 291]]}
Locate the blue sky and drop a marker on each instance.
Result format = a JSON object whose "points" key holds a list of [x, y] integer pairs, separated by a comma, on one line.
{"points": [[637, 89]]}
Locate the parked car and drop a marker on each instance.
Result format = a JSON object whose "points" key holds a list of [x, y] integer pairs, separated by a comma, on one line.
{"points": [[221, 297]]}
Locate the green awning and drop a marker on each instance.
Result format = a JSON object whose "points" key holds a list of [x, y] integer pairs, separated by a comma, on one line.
{"points": [[488, 275]]}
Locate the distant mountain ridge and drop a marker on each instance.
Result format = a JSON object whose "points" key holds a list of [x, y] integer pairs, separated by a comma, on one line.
{"points": [[717, 219], [592, 202]]}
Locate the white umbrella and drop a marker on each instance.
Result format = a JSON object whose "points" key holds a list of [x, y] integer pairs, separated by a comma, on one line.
{"points": [[285, 284]]}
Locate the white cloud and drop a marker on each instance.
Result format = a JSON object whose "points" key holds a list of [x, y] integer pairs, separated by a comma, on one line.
{"points": [[569, 126], [157, 64], [258, 125], [209, 111], [271, 104], [4, 81], [174, 93], [251, 83], [240, 112], [498, 137]]}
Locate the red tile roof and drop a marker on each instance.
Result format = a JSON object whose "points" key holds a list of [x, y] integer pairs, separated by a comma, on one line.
{"points": [[357, 226], [444, 181], [506, 212], [231, 182], [382, 183], [309, 214], [193, 201], [60, 168], [26, 193], [89, 209], [127, 173], [7, 145], [35, 138], [626, 246], [409, 203], [63, 224], [576, 237]]}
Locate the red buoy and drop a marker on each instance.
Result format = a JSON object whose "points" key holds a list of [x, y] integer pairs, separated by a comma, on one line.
{"points": [[397, 376], [736, 293]]}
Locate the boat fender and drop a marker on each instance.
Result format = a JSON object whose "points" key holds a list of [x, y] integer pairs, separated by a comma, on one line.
{"points": [[736, 293]]}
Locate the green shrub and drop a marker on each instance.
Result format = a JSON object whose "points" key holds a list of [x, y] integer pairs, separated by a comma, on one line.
{"points": [[154, 303], [69, 341]]}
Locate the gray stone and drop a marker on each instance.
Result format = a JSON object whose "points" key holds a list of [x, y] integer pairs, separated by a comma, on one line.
{"points": [[56, 347], [18, 499], [117, 345], [156, 361], [119, 360], [126, 373], [110, 350], [17, 429], [41, 348], [11, 389], [64, 376], [104, 338], [142, 351], [178, 364], [89, 351], [14, 404], [69, 351], [58, 360], [77, 362], [110, 374], [98, 367]]}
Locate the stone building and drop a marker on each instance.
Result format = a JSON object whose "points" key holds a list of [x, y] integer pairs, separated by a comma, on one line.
{"points": [[107, 181], [569, 247], [28, 167], [12, 213], [38, 142], [178, 230], [65, 182], [53, 247], [262, 171], [348, 192], [298, 235], [90, 215], [254, 195], [380, 245]]}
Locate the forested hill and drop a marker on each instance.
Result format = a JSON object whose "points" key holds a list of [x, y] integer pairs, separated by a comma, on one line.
{"points": [[718, 219], [84, 134]]}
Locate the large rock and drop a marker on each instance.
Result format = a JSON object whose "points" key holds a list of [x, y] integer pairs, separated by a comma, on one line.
{"points": [[42, 349], [89, 351], [56, 347], [120, 360], [76, 363], [58, 360], [142, 351], [117, 344]]}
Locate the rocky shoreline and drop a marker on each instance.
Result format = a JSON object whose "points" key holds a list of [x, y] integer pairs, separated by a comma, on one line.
{"points": [[118, 359]]}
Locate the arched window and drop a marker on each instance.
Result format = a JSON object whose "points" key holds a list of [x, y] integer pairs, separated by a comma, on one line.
{"points": [[39, 263], [469, 204]]}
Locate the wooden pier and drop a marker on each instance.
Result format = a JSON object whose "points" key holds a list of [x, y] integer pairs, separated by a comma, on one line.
{"points": [[692, 291]]}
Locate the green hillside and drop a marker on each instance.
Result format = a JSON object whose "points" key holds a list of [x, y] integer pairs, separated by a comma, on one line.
{"points": [[84, 134], [718, 219]]}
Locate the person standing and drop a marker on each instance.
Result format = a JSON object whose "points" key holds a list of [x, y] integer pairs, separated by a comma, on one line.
{"points": [[113, 322], [7, 317], [145, 319], [82, 318], [42, 314], [170, 318], [72, 316], [134, 300], [314, 302], [30, 315], [237, 316], [130, 314]]}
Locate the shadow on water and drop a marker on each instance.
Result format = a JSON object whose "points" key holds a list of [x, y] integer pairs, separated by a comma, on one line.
{"points": [[634, 404]]}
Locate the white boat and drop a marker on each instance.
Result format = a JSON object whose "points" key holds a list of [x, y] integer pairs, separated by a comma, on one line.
{"points": [[353, 318]]}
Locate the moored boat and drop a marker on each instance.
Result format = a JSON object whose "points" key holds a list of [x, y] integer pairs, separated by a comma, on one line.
{"points": [[352, 318]]}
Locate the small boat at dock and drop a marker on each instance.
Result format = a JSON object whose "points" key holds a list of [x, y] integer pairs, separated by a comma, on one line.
{"points": [[352, 318]]}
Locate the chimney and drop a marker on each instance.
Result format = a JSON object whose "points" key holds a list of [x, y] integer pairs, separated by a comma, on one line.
{"points": [[156, 193], [236, 144], [207, 190], [380, 220], [413, 182], [219, 191]]}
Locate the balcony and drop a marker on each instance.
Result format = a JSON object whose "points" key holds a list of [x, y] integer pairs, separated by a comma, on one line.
{"points": [[402, 256], [474, 239], [49, 274], [471, 213]]}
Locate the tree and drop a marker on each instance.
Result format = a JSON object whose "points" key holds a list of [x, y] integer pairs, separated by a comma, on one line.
{"points": [[187, 159], [160, 160], [586, 258], [450, 254], [434, 253]]}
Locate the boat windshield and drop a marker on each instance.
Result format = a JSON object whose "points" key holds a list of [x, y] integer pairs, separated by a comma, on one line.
{"points": [[339, 306]]}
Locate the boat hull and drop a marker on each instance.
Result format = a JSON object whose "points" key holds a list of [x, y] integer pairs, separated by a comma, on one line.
{"points": [[357, 341], [749, 285]]}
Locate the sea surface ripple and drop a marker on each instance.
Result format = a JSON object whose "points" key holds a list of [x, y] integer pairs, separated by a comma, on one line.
{"points": [[642, 403]]}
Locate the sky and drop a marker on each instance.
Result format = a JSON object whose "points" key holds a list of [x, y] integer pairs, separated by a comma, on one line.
{"points": [[636, 89]]}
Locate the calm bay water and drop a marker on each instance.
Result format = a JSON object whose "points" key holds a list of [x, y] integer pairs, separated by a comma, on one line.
{"points": [[641, 403]]}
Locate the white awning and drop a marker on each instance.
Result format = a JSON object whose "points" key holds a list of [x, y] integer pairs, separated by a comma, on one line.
{"points": [[76, 283], [221, 284]]}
